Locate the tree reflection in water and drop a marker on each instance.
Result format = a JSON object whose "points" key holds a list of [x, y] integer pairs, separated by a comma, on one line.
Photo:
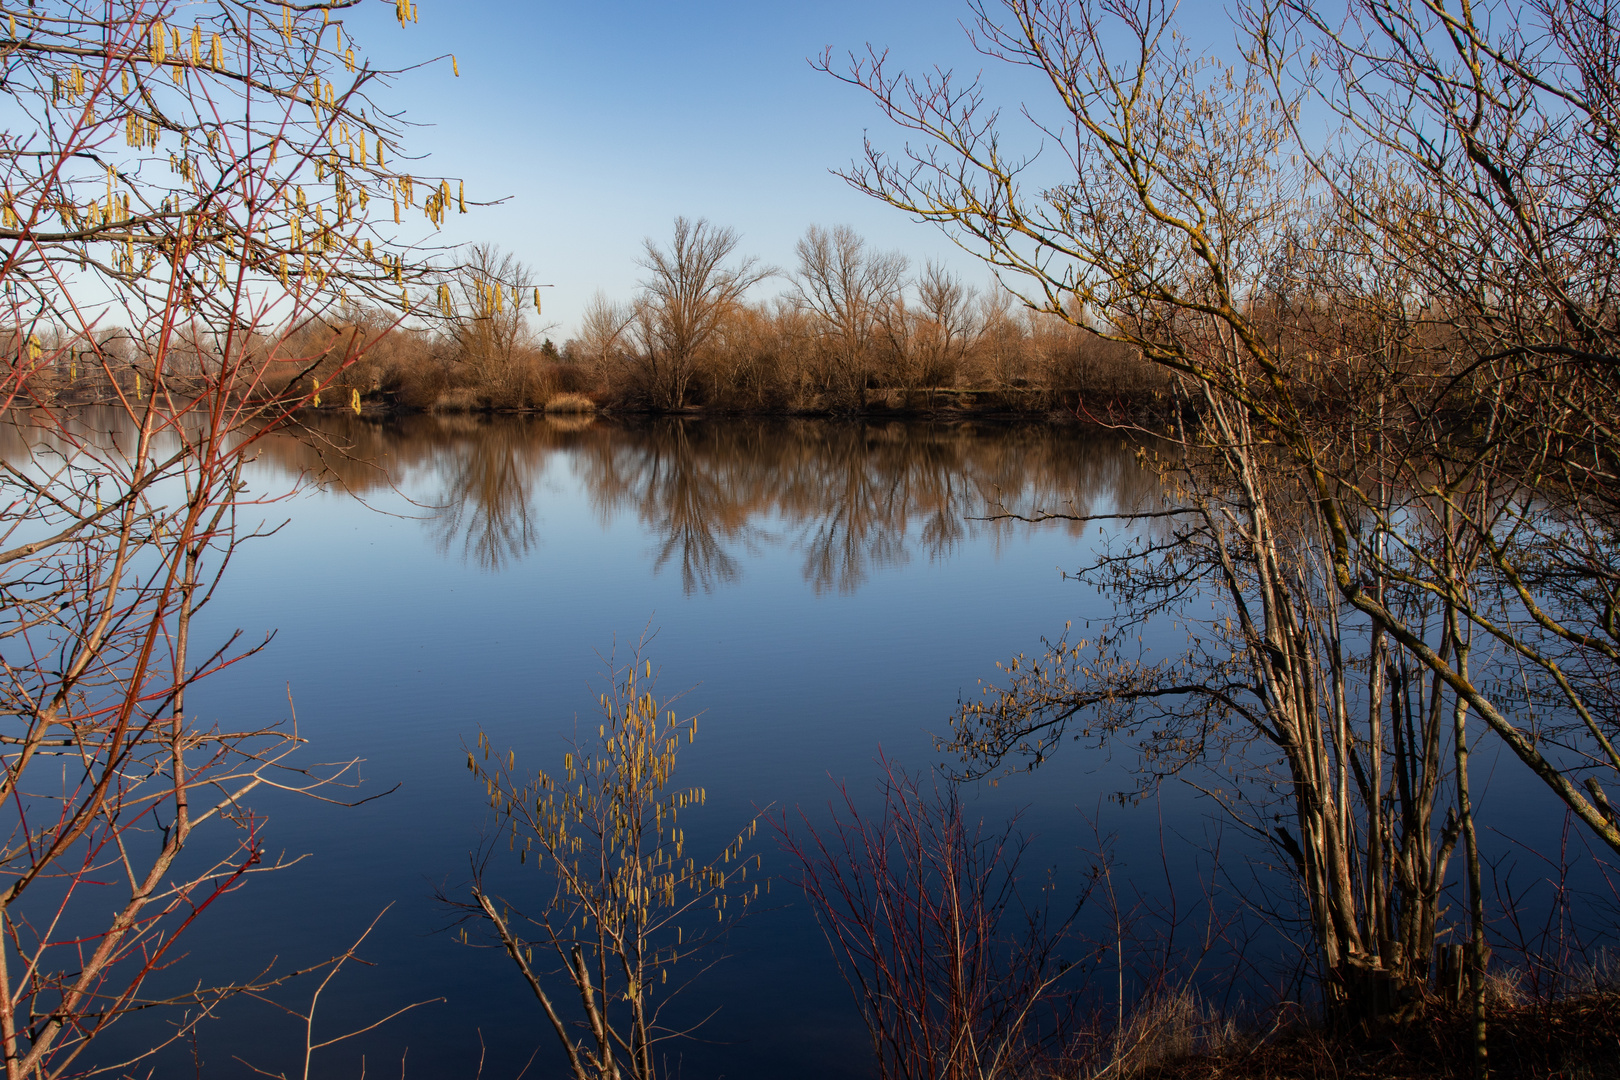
{"points": [[489, 478], [690, 485], [850, 497]]}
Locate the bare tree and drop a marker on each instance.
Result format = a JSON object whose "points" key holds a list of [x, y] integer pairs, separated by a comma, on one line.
{"points": [[181, 200], [1001, 346], [948, 328], [603, 328], [1496, 123], [851, 291], [690, 288], [1186, 210], [485, 312]]}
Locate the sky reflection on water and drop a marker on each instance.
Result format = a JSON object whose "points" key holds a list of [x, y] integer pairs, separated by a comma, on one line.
{"points": [[821, 591]]}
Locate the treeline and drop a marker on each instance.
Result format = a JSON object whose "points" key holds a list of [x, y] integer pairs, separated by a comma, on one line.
{"points": [[855, 330]]}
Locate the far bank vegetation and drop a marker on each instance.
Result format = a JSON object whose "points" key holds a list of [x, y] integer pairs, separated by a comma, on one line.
{"points": [[854, 330]]}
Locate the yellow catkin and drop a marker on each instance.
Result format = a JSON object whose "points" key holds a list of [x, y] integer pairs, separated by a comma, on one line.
{"points": [[354, 401], [537, 301], [218, 48], [455, 67], [160, 40], [196, 45], [461, 196]]}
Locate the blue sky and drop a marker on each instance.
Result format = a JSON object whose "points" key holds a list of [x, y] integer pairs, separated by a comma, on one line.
{"points": [[600, 122]]}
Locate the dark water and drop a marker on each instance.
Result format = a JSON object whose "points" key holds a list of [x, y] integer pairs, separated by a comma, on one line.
{"points": [[823, 591]]}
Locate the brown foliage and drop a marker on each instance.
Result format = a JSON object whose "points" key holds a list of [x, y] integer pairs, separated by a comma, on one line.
{"points": [[931, 353]]}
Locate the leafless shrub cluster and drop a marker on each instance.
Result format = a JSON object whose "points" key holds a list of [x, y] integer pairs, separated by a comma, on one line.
{"points": [[1395, 343], [854, 330], [958, 970], [185, 190]]}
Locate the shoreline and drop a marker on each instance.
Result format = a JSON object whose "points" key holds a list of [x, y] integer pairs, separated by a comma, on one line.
{"points": [[1113, 415]]}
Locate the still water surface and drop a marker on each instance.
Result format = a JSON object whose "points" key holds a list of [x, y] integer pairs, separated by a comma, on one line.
{"points": [[822, 591]]}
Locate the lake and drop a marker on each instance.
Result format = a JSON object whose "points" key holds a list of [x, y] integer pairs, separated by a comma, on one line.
{"points": [[820, 592]]}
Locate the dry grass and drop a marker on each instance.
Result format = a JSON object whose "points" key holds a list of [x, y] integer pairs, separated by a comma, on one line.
{"points": [[1573, 1039], [1175, 1025], [570, 403]]}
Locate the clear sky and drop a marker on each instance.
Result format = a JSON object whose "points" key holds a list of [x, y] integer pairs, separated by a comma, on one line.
{"points": [[600, 122]]}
